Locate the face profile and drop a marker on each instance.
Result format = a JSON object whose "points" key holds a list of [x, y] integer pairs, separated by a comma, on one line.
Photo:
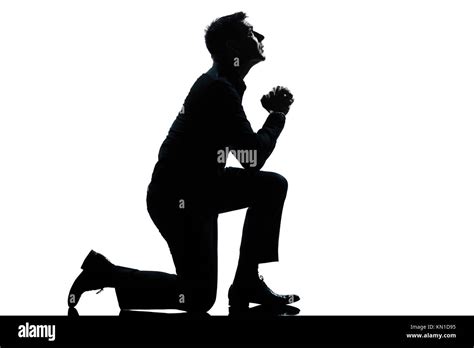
{"points": [[251, 46], [231, 37]]}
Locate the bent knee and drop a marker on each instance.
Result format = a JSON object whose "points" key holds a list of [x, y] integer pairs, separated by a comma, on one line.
{"points": [[201, 301], [199, 296], [276, 182]]}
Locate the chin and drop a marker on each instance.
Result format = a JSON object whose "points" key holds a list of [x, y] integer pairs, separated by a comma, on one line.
{"points": [[261, 57]]}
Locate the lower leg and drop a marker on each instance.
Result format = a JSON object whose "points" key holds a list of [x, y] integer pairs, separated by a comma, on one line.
{"points": [[247, 272], [148, 290]]}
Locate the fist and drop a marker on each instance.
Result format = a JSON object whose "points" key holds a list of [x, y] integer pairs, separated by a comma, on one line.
{"points": [[279, 99]]}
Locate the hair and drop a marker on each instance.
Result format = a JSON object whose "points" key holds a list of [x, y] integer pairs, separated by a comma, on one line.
{"points": [[223, 29]]}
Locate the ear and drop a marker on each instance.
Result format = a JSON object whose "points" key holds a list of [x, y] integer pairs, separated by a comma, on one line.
{"points": [[232, 46]]}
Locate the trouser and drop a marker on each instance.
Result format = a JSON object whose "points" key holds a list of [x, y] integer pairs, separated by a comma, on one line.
{"points": [[191, 233]]}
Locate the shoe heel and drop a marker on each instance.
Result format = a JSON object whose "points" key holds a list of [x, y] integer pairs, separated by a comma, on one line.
{"points": [[87, 264], [238, 305], [238, 309]]}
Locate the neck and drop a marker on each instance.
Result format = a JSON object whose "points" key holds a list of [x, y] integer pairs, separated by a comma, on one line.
{"points": [[241, 70]]}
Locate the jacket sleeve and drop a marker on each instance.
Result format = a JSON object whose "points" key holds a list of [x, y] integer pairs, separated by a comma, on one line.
{"points": [[238, 133]]}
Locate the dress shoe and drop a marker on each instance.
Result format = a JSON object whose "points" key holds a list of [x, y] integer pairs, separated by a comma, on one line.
{"points": [[241, 295], [95, 275], [96, 262]]}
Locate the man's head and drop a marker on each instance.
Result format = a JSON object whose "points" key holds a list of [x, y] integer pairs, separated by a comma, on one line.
{"points": [[231, 37]]}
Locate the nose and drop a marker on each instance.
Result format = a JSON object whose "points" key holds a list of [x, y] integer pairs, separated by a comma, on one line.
{"points": [[259, 36]]}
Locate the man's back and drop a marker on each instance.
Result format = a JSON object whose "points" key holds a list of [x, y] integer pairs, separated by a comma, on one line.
{"points": [[197, 133]]}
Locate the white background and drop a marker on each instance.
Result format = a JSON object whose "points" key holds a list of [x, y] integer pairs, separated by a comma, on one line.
{"points": [[377, 149]]}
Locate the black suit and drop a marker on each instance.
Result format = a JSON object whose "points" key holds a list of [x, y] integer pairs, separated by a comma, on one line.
{"points": [[190, 186]]}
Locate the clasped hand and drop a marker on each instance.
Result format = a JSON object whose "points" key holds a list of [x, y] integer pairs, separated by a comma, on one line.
{"points": [[279, 99]]}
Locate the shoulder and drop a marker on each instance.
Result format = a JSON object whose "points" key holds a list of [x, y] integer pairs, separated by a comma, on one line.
{"points": [[224, 89], [216, 93], [207, 86]]}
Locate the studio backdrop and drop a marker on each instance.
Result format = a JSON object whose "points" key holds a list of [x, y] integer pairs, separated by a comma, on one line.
{"points": [[377, 148]]}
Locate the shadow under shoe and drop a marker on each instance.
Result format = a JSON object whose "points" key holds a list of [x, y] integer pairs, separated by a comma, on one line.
{"points": [[94, 276], [264, 311], [157, 315], [241, 295]]}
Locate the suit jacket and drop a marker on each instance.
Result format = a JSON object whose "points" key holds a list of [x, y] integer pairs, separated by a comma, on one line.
{"points": [[212, 123]]}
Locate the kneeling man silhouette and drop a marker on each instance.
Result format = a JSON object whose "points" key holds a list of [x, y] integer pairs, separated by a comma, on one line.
{"points": [[190, 187]]}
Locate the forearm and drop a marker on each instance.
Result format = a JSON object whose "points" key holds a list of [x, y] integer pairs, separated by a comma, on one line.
{"points": [[263, 143]]}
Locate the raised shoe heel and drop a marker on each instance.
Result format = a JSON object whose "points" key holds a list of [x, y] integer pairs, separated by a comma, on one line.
{"points": [[96, 262], [89, 261]]}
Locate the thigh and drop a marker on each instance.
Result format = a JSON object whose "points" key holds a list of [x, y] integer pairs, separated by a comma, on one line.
{"points": [[235, 189], [193, 243], [239, 188], [191, 234]]}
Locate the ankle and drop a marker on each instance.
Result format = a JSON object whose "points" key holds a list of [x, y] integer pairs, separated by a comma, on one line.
{"points": [[246, 282], [247, 272]]}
